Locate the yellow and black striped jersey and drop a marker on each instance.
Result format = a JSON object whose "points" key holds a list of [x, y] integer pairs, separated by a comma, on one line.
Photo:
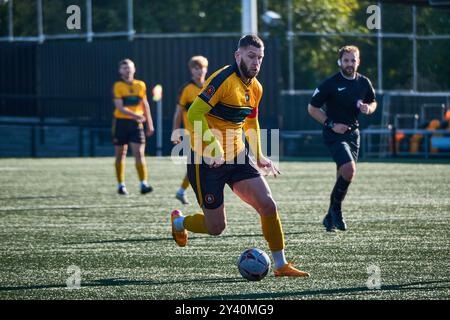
{"points": [[232, 102], [131, 95], [188, 92]]}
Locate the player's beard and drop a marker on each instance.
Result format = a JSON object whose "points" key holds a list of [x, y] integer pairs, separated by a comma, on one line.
{"points": [[246, 72], [348, 71]]}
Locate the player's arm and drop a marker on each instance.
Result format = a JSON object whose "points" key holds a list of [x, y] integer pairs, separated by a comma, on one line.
{"points": [[196, 116], [367, 108], [253, 136], [318, 99], [118, 103], [317, 113], [177, 117], [368, 105], [150, 129]]}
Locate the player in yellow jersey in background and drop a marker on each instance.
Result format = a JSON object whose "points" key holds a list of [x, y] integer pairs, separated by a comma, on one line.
{"points": [[228, 105], [131, 112], [198, 65]]}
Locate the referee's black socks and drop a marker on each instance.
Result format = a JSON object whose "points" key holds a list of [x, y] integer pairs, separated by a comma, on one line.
{"points": [[339, 192]]}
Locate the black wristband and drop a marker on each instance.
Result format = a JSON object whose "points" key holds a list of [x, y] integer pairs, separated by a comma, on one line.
{"points": [[329, 124]]}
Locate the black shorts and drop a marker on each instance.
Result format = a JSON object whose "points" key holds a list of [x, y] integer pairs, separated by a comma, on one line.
{"points": [[209, 183], [125, 131], [343, 147]]}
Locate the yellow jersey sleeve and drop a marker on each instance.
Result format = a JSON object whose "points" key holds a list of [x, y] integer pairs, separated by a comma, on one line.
{"points": [[183, 97], [143, 90], [117, 92], [215, 86]]}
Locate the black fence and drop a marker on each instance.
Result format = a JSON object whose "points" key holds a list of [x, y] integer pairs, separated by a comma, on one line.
{"points": [[70, 82]]}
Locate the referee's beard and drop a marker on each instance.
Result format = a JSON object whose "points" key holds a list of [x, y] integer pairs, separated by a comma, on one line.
{"points": [[348, 71]]}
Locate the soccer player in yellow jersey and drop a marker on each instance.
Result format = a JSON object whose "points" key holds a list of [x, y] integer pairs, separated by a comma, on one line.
{"points": [[198, 65], [131, 111], [227, 105]]}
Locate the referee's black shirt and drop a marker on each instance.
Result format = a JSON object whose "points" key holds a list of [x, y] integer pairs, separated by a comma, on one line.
{"points": [[341, 95]]}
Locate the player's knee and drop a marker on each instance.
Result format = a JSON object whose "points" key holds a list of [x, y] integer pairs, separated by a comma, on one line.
{"points": [[348, 172], [121, 158], [267, 206], [217, 228]]}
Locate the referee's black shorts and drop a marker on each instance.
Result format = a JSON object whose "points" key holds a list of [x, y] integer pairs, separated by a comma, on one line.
{"points": [[125, 131], [343, 147], [208, 183]]}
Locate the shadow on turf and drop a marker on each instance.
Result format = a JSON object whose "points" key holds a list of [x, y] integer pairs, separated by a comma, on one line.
{"points": [[71, 207], [32, 197], [116, 282], [170, 239], [428, 285]]}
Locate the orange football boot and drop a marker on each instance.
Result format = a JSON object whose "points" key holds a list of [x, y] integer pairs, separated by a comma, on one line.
{"points": [[288, 270], [180, 237]]}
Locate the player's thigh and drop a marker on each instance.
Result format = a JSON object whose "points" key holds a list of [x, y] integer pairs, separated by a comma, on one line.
{"points": [[138, 150], [121, 151], [340, 152], [136, 133], [256, 192], [119, 132], [207, 183], [354, 144]]}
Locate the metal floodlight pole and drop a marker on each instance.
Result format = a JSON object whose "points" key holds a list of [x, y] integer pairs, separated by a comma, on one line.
{"points": [[380, 53], [10, 21], [40, 23], [414, 47], [157, 93], [249, 17], [159, 131], [131, 30], [290, 39], [89, 32]]}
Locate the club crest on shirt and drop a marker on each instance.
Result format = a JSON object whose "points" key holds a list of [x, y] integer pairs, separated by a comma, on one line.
{"points": [[209, 91], [209, 198], [130, 90], [247, 97]]}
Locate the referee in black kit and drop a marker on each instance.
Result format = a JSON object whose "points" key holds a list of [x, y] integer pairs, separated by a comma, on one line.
{"points": [[346, 95]]}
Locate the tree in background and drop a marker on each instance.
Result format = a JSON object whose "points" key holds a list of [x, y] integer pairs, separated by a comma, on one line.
{"points": [[315, 57]]}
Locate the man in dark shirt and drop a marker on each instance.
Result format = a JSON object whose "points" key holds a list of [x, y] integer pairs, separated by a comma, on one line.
{"points": [[346, 95]]}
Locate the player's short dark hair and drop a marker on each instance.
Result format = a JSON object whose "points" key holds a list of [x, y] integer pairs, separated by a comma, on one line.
{"points": [[348, 49], [250, 40], [125, 61]]}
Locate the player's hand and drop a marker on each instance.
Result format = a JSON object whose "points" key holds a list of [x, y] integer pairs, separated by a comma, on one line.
{"points": [[175, 138], [216, 161], [364, 108], [149, 131], [268, 166], [340, 128], [139, 118]]}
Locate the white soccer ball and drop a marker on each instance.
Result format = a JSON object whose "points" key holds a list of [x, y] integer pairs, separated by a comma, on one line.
{"points": [[254, 264]]}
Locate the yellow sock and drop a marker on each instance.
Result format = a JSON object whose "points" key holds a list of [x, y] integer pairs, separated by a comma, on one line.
{"points": [[185, 183], [195, 223], [273, 231], [120, 171], [142, 171]]}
